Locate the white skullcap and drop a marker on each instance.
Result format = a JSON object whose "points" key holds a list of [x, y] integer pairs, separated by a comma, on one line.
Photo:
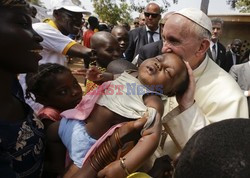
{"points": [[196, 16]]}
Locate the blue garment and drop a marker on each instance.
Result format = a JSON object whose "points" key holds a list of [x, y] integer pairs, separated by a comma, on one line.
{"points": [[76, 139], [22, 147]]}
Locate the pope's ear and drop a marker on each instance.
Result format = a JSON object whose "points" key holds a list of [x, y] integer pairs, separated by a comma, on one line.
{"points": [[205, 44]]}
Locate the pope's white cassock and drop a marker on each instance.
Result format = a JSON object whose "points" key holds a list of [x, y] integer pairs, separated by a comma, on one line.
{"points": [[217, 97]]}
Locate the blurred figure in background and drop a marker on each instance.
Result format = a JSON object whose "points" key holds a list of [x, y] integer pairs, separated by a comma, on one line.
{"points": [[233, 55], [136, 22], [141, 19], [93, 27]]}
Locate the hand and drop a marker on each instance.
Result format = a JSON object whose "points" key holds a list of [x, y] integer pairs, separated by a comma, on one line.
{"points": [[187, 99], [112, 170], [94, 74], [90, 55]]}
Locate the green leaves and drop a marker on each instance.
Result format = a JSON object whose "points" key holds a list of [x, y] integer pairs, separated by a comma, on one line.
{"points": [[111, 12]]}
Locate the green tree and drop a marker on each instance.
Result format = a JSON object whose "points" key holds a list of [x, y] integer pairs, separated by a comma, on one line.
{"points": [[243, 6], [35, 2], [111, 12]]}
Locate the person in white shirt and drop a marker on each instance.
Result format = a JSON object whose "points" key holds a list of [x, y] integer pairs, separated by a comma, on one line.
{"points": [[56, 43]]}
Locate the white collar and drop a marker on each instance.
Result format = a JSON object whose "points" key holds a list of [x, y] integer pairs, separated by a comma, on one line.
{"points": [[156, 31], [212, 43], [201, 68]]}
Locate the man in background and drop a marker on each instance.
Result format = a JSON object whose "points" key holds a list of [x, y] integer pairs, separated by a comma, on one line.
{"points": [[233, 56], [217, 51], [147, 34]]}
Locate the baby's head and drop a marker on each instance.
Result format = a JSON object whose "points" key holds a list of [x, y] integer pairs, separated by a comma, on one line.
{"points": [[106, 46], [167, 71], [119, 66], [55, 86]]}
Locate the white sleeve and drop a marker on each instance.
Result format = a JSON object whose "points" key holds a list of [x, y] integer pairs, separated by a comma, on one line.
{"points": [[184, 124], [53, 39]]}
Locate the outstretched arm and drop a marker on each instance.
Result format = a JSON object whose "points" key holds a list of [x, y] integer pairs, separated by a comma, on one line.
{"points": [[95, 75]]}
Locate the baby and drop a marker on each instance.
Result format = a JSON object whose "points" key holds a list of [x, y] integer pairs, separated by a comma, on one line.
{"points": [[132, 95]]}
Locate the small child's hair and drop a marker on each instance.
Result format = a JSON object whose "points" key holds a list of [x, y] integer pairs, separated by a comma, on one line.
{"points": [[119, 66], [218, 150], [38, 83]]}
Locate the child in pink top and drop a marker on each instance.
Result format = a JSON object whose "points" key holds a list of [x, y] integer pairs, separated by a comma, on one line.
{"points": [[57, 89]]}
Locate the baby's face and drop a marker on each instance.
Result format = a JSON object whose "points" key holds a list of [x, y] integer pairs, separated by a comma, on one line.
{"points": [[164, 71]]}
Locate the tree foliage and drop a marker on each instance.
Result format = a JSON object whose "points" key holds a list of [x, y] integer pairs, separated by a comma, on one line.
{"points": [[111, 12], [35, 2], [243, 6]]}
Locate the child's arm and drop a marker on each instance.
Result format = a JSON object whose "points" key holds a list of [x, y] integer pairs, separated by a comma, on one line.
{"points": [[149, 142], [95, 75]]}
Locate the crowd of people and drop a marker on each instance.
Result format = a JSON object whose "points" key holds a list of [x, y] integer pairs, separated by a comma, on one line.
{"points": [[165, 99]]}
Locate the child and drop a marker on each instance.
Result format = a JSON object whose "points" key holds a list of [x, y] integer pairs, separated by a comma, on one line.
{"points": [[107, 49], [121, 34], [21, 133], [163, 75], [57, 90]]}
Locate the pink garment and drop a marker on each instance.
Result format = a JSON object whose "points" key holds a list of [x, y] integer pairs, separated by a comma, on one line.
{"points": [[85, 107], [49, 113]]}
